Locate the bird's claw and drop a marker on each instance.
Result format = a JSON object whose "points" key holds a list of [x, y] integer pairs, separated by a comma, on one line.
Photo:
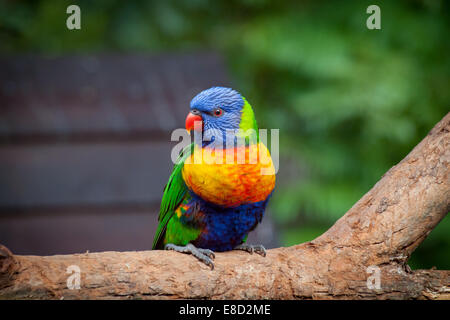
{"points": [[259, 249], [204, 255], [209, 253]]}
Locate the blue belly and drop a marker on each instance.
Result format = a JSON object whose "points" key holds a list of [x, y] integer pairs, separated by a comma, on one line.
{"points": [[225, 228]]}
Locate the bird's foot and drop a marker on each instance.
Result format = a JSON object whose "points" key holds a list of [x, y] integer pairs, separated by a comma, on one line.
{"points": [[259, 249], [204, 255]]}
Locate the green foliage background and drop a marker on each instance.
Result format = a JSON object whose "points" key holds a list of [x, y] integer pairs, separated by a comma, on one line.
{"points": [[350, 102]]}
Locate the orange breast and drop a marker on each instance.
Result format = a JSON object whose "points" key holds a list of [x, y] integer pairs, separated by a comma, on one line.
{"points": [[231, 177]]}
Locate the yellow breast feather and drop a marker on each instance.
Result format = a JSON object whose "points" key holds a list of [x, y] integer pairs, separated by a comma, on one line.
{"points": [[230, 177]]}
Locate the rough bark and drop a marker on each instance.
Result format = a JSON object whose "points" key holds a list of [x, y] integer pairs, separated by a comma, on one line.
{"points": [[382, 229]]}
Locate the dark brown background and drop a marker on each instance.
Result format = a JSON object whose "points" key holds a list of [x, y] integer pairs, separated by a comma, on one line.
{"points": [[85, 147]]}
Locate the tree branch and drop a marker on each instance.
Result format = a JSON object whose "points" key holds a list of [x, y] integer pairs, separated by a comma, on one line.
{"points": [[382, 230]]}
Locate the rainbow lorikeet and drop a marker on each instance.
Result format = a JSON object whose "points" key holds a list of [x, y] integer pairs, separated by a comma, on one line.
{"points": [[209, 205]]}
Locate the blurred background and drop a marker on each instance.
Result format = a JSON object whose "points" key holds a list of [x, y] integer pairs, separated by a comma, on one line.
{"points": [[86, 115]]}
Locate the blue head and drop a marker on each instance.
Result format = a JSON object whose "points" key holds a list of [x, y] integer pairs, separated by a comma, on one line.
{"points": [[220, 109]]}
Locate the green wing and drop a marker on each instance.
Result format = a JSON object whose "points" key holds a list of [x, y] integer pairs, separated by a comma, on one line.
{"points": [[174, 192]]}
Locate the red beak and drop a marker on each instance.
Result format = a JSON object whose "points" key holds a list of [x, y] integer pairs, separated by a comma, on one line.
{"points": [[194, 121]]}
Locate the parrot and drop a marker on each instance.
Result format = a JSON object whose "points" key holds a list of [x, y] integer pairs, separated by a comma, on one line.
{"points": [[211, 206]]}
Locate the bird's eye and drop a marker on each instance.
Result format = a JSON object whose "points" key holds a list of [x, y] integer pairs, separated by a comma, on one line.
{"points": [[217, 112]]}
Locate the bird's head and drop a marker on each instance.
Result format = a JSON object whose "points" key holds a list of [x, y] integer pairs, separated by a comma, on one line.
{"points": [[219, 109]]}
